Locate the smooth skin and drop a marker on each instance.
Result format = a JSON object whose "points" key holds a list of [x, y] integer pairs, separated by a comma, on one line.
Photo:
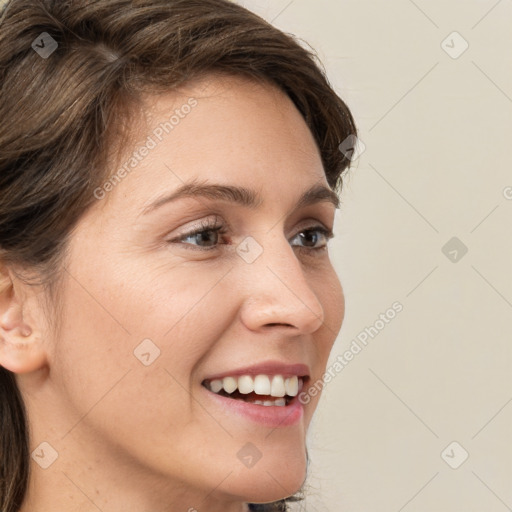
{"points": [[149, 438]]}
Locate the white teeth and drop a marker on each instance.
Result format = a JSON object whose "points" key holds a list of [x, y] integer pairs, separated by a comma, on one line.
{"points": [[291, 386], [216, 385], [279, 402], [245, 384], [262, 385], [277, 388], [229, 384]]}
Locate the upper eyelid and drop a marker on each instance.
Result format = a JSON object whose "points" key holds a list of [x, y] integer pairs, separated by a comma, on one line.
{"points": [[321, 209], [216, 225]]}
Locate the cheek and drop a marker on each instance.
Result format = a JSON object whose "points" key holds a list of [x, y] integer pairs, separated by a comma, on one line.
{"points": [[330, 294], [329, 291], [120, 390], [185, 309], [337, 302]]}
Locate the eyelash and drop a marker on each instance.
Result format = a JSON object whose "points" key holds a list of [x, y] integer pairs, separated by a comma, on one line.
{"points": [[221, 229]]}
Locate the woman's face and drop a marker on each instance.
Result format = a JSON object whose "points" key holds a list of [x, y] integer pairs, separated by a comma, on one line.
{"points": [[152, 314]]}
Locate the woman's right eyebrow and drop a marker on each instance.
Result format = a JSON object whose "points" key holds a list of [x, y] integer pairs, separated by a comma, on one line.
{"points": [[240, 195]]}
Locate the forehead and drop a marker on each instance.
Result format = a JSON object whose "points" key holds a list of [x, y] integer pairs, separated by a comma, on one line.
{"points": [[223, 129]]}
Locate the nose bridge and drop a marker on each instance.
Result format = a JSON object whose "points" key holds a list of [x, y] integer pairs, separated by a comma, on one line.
{"points": [[277, 290]]}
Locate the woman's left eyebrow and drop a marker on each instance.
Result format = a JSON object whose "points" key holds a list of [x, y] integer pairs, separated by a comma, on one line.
{"points": [[241, 195]]}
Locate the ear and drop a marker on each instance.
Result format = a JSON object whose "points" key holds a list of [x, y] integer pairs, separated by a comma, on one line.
{"points": [[21, 347]]}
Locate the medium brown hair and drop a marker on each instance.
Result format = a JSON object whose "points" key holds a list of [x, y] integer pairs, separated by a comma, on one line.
{"points": [[61, 113]]}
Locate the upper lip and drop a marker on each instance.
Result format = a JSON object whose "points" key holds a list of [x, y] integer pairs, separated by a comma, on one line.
{"points": [[265, 368]]}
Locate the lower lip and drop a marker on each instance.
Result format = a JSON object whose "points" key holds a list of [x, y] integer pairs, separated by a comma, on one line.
{"points": [[274, 416]]}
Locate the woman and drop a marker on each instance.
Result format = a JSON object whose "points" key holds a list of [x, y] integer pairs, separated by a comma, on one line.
{"points": [[168, 179]]}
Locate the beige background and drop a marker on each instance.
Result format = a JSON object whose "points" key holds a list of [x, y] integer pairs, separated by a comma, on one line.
{"points": [[437, 134]]}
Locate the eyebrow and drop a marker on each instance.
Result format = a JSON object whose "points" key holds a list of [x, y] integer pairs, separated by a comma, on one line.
{"points": [[241, 196]]}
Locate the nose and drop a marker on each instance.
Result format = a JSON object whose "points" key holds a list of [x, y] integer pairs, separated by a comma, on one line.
{"points": [[278, 292]]}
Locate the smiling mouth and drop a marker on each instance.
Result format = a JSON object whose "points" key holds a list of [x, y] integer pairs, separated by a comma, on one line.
{"points": [[265, 390]]}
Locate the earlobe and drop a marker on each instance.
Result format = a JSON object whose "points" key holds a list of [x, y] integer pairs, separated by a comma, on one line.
{"points": [[21, 348]]}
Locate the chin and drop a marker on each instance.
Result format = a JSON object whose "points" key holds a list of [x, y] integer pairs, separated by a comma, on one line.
{"points": [[268, 489], [273, 477]]}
